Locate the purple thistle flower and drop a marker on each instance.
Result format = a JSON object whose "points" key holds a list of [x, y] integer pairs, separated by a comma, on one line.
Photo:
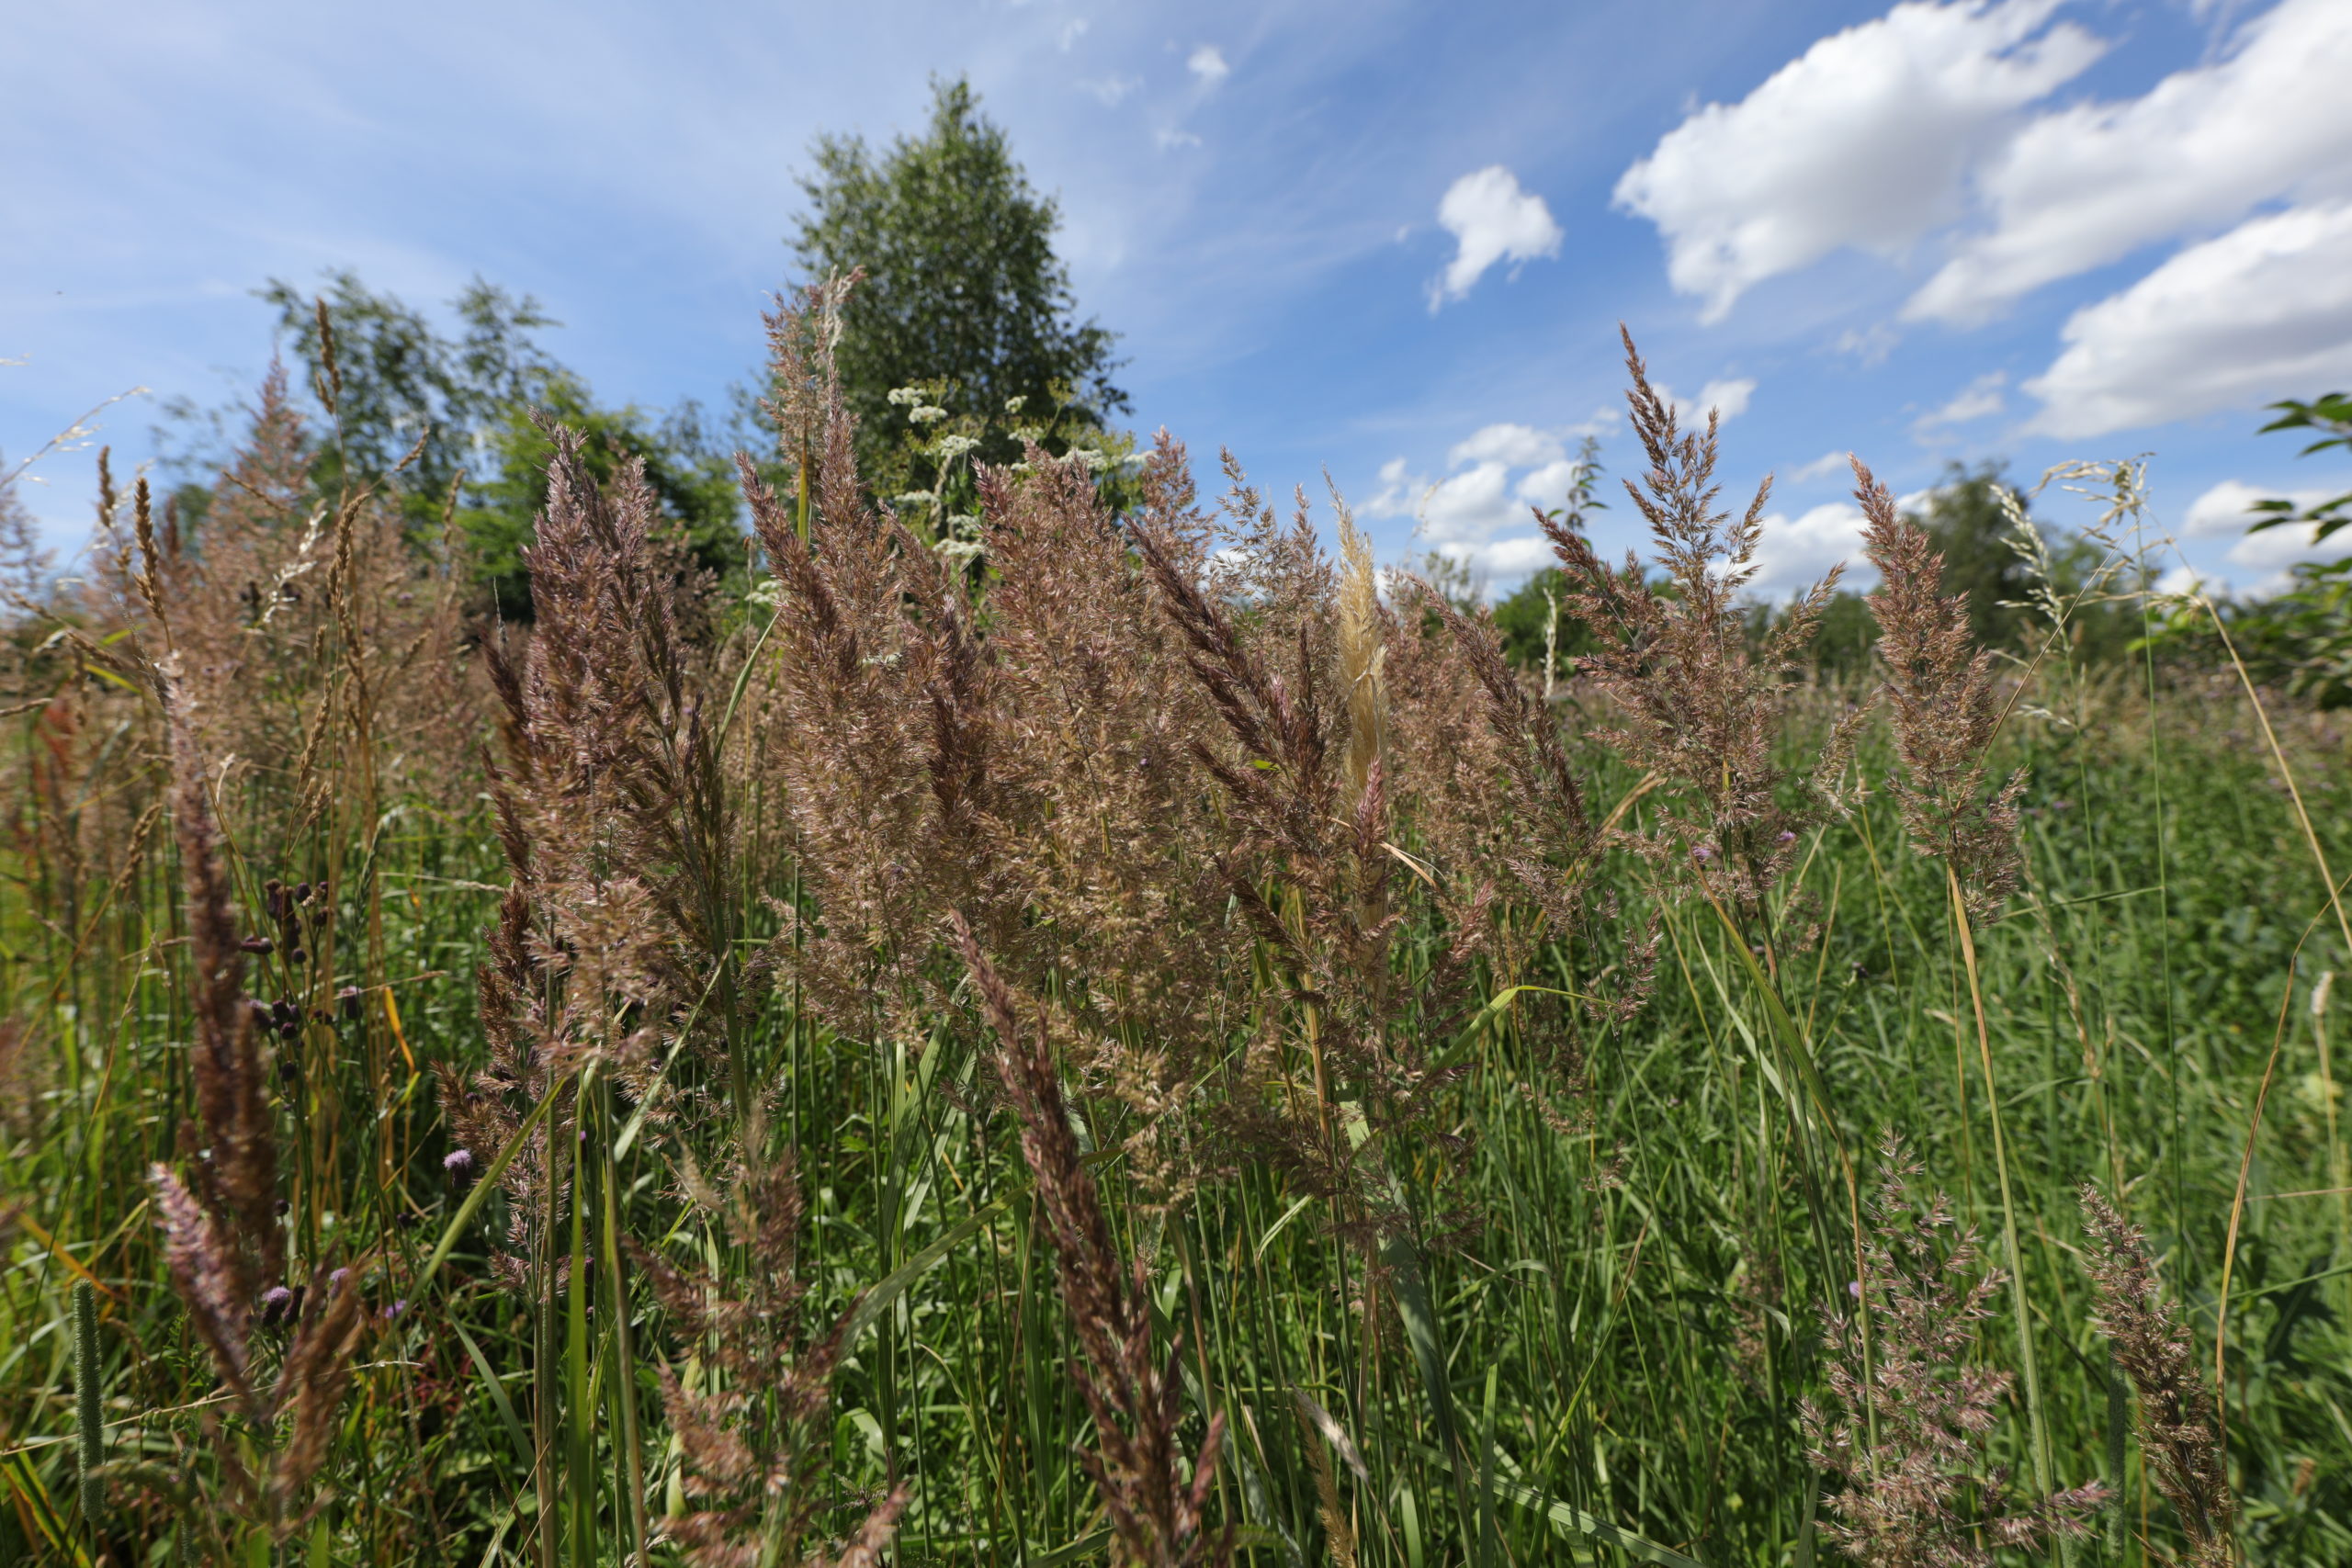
{"points": [[458, 1164]]}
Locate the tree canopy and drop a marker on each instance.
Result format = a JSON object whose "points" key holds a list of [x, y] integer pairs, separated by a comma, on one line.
{"points": [[442, 421], [963, 292]]}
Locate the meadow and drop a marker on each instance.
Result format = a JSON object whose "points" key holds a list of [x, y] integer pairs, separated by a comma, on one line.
{"points": [[1134, 1038]]}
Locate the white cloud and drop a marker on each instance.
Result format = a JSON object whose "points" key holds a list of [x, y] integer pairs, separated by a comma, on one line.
{"points": [[2264, 311], [1171, 139], [2088, 185], [1981, 399], [1112, 90], [1793, 553], [1073, 30], [1821, 467], [1209, 64], [1519, 446], [1863, 140], [1464, 514], [1493, 220], [2228, 507], [2261, 559], [1547, 487], [1726, 397]]}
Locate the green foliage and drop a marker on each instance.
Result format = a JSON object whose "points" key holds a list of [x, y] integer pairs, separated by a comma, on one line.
{"points": [[962, 294], [444, 425], [2332, 414], [928, 476], [2298, 640], [397, 385]]}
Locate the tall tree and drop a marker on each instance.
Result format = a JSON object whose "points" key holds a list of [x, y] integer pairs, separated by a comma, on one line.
{"points": [[962, 285], [443, 419]]}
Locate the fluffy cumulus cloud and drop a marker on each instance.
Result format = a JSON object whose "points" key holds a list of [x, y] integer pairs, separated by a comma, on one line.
{"points": [[1795, 553], [2259, 561], [2261, 312], [1726, 397], [1500, 475], [1492, 219], [2088, 185], [1864, 140]]}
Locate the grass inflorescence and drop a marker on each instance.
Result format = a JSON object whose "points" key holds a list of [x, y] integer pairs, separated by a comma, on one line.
{"points": [[1135, 1038]]}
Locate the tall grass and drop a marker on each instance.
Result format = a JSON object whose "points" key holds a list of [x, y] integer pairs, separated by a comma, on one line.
{"points": [[1138, 1048]]}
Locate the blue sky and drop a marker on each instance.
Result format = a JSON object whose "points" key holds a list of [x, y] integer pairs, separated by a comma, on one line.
{"points": [[1392, 241]]}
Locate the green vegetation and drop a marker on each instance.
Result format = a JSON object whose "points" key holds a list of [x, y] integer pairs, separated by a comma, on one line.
{"points": [[1129, 1050], [963, 293]]}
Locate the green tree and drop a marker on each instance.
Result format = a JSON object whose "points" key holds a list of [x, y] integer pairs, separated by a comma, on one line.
{"points": [[442, 423], [397, 386], [962, 294]]}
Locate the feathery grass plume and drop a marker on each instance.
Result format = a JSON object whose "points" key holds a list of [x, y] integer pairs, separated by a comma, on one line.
{"points": [[221, 1238], [612, 801], [1360, 653], [1099, 825], [1135, 1396], [868, 704], [1309, 865], [305, 622], [237, 1180], [2176, 1436], [1904, 1425], [1945, 708], [757, 1432], [1697, 704]]}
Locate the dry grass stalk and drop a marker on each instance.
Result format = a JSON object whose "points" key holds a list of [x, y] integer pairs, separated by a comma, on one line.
{"points": [[220, 1230], [1906, 1421], [1946, 707], [1136, 1396], [2178, 1440], [1696, 702], [757, 1432]]}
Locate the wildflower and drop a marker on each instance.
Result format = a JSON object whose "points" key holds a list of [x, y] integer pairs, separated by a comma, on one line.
{"points": [[458, 1164], [953, 446], [927, 414]]}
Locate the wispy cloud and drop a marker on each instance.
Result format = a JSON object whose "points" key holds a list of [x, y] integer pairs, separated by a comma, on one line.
{"points": [[1209, 64], [1981, 399], [1726, 398]]}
